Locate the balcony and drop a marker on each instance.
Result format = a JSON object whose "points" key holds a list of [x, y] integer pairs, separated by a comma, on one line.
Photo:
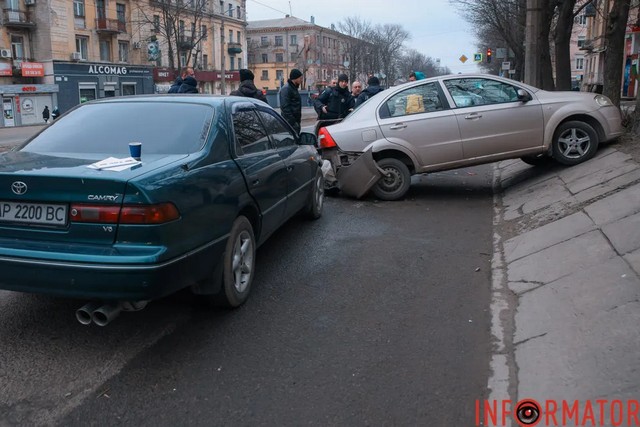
{"points": [[234, 48], [186, 42], [110, 26], [17, 19]]}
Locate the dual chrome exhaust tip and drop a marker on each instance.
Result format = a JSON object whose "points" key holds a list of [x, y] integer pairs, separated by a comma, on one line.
{"points": [[102, 313]]}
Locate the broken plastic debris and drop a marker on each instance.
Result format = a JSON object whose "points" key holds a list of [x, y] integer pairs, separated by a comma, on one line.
{"points": [[477, 269]]}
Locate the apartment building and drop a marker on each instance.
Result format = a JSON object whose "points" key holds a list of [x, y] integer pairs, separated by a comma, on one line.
{"points": [[278, 45], [65, 52]]}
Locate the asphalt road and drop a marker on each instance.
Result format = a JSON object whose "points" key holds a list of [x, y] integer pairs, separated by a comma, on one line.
{"points": [[376, 314]]}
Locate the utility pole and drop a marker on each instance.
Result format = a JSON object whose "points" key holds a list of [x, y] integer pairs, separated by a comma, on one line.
{"points": [[223, 86], [532, 69]]}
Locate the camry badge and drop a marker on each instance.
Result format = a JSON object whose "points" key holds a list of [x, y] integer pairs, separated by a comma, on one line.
{"points": [[19, 188]]}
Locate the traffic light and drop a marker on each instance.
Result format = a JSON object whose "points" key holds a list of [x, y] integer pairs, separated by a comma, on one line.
{"points": [[488, 55]]}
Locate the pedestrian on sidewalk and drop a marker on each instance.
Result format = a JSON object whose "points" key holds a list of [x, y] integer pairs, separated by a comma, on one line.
{"points": [[175, 87], [290, 103], [189, 83], [356, 89], [247, 87], [45, 114], [373, 88]]}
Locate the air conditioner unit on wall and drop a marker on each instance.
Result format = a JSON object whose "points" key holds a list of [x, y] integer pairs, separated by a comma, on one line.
{"points": [[5, 53], [76, 56], [136, 45], [29, 2]]}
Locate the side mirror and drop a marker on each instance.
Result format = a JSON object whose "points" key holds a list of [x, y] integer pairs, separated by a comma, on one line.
{"points": [[523, 95], [307, 138]]}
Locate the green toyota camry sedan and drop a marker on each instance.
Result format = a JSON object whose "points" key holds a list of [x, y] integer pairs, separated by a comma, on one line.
{"points": [[126, 200]]}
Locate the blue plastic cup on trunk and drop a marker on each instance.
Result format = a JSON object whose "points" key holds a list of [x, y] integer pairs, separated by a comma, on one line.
{"points": [[135, 148]]}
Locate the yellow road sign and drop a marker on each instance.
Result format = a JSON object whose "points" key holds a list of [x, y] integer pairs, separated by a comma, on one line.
{"points": [[463, 59]]}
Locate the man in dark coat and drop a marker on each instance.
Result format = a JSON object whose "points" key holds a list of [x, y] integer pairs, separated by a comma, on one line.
{"points": [[373, 88], [290, 103], [189, 83], [335, 102], [175, 87], [45, 114], [247, 87]]}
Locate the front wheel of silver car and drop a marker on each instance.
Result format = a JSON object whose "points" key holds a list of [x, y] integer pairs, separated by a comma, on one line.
{"points": [[574, 142], [239, 264], [395, 183]]}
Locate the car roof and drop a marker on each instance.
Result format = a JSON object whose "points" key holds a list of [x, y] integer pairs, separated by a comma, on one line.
{"points": [[212, 100]]}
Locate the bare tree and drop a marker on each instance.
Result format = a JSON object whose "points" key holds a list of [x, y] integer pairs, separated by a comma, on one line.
{"points": [[176, 25], [412, 60], [614, 45], [389, 40], [359, 30]]}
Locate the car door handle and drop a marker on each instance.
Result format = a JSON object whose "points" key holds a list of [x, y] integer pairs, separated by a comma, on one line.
{"points": [[398, 126], [254, 180], [473, 116], [289, 168]]}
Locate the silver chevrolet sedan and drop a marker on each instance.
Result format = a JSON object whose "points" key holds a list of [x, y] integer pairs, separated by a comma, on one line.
{"points": [[454, 121]]}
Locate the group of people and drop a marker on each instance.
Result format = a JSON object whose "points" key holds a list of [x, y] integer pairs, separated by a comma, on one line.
{"points": [[46, 114]]}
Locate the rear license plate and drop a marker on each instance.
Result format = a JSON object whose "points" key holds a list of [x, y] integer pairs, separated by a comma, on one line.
{"points": [[33, 213]]}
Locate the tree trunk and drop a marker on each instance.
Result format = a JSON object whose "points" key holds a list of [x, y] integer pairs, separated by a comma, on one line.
{"points": [[562, 41], [614, 44], [546, 69]]}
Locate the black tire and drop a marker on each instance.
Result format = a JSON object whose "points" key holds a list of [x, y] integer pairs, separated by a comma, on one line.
{"points": [[314, 206], [238, 264], [541, 160], [574, 142], [396, 184]]}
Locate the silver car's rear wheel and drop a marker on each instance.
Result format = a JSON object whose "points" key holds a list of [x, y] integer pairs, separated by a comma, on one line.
{"points": [[395, 184], [574, 142]]}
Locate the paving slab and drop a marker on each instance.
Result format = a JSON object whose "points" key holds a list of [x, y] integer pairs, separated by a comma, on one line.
{"points": [[634, 260], [574, 335], [616, 206], [519, 202], [562, 259], [624, 234], [607, 187], [547, 236], [598, 177], [603, 161]]}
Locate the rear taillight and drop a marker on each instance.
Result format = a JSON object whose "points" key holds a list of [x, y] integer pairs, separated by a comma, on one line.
{"points": [[325, 140], [127, 214]]}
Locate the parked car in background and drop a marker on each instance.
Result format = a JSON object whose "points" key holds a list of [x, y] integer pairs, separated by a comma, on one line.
{"points": [[454, 121], [217, 175]]}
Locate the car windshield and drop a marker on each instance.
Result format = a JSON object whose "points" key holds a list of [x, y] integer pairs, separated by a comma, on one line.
{"points": [[161, 127]]}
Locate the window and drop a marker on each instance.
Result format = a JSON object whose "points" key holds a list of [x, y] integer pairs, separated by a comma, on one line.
{"points": [[230, 10], [222, 7], [78, 8], [100, 9], [251, 137], [579, 63], [230, 36], [87, 93], [128, 89], [581, 40], [581, 19], [120, 12], [238, 12], [239, 36], [279, 57], [265, 75], [264, 41], [239, 63], [418, 99], [294, 39], [468, 92], [203, 32], [232, 62], [105, 50], [205, 62], [81, 46], [156, 23], [265, 58], [294, 57], [123, 51], [17, 47], [278, 131], [279, 75], [278, 41]]}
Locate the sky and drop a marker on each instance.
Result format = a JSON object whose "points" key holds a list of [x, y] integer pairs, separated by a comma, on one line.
{"points": [[436, 27]]}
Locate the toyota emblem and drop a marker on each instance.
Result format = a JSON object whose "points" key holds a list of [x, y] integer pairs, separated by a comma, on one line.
{"points": [[19, 188]]}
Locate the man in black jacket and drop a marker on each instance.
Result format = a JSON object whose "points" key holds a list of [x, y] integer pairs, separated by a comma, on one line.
{"points": [[189, 83], [290, 104], [373, 88], [335, 102], [175, 87], [247, 87]]}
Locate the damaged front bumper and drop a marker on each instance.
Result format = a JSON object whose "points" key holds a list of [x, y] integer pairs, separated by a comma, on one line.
{"points": [[353, 173]]}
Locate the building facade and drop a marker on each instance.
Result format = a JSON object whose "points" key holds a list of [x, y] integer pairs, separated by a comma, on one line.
{"points": [[276, 46], [65, 52]]}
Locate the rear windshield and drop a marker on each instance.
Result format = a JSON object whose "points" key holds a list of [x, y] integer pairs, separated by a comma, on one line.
{"points": [[161, 127]]}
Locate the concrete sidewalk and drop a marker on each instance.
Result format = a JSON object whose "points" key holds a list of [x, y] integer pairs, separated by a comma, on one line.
{"points": [[566, 285]]}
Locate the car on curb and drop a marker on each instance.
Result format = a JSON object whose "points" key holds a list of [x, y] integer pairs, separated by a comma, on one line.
{"points": [[454, 121], [215, 178]]}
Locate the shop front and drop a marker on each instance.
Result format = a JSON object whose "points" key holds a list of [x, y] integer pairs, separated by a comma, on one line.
{"points": [[23, 104], [85, 82], [208, 81]]}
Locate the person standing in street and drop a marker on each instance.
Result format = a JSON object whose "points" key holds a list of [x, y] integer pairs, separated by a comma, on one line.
{"points": [[175, 87], [247, 87], [290, 104], [356, 89], [373, 88], [45, 114], [189, 83], [336, 102], [416, 75]]}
